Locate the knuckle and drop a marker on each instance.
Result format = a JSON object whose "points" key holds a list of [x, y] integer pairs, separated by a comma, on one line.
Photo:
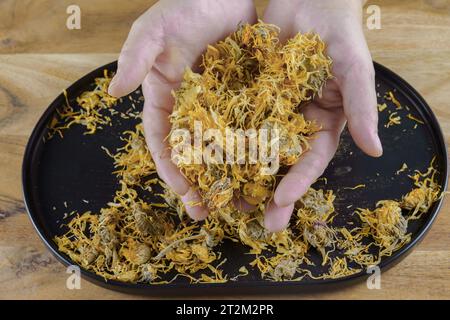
{"points": [[316, 167]]}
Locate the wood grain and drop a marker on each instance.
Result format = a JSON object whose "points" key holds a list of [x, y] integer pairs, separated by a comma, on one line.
{"points": [[39, 57]]}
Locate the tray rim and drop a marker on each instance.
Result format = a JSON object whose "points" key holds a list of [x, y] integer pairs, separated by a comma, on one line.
{"points": [[217, 288]]}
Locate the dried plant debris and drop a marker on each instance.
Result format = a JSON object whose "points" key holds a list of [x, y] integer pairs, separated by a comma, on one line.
{"points": [[94, 109], [386, 224], [251, 81], [413, 118], [133, 161], [394, 117], [403, 168], [135, 241], [391, 97], [426, 192], [91, 112], [381, 107]]}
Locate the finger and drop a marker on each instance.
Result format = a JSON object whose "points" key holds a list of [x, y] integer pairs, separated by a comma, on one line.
{"points": [[158, 102], [313, 163], [356, 78], [143, 45], [352, 66], [309, 167], [193, 204], [280, 18], [277, 218], [242, 205], [360, 107]]}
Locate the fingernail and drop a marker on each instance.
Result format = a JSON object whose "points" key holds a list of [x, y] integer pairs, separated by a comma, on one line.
{"points": [[277, 219], [242, 205], [378, 146], [282, 203], [194, 205], [112, 85], [280, 200]]}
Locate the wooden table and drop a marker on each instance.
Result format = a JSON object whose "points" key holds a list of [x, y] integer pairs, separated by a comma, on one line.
{"points": [[39, 57]]}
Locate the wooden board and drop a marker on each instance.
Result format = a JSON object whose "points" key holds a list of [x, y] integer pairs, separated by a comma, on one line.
{"points": [[39, 57]]}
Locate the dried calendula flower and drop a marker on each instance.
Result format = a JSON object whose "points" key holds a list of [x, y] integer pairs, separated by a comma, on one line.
{"points": [[252, 233], [148, 221], [136, 252], [320, 236], [249, 81], [386, 225], [318, 202], [220, 194], [88, 254], [425, 193], [107, 224], [339, 268], [285, 269]]}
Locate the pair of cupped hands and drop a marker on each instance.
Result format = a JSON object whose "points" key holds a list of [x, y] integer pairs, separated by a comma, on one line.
{"points": [[173, 34]]}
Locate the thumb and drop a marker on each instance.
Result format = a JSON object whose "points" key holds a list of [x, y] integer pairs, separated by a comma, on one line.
{"points": [[360, 106], [137, 57], [355, 74]]}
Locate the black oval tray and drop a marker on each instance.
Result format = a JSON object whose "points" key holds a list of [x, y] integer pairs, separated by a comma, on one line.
{"points": [[59, 173]]}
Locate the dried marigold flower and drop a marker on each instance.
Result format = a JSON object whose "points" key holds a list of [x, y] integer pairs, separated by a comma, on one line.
{"points": [[250, 81]]}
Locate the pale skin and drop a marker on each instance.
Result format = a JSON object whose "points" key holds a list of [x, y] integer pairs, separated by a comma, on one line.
{"points": [[172, 35]]}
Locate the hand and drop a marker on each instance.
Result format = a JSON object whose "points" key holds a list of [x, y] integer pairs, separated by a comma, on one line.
{"points": [[166, 39], [351, 96]]}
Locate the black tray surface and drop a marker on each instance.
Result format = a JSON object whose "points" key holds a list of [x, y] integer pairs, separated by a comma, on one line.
{"points": [[58, 174]]}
